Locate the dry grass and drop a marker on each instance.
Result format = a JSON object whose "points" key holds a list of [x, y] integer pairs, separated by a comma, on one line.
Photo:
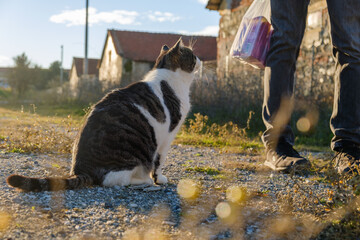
{"points": [[29, 132], [229, 137]]}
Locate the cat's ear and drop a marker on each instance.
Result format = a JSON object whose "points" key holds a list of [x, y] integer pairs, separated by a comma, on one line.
{"points": [[177, 46], [164, 48]]}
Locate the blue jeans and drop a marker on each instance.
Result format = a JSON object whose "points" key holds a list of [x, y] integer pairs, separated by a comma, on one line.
{"points": [[289, 20]]}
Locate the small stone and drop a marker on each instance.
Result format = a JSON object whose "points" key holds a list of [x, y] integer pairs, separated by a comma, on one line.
{"points": [[133, 205], [152, 189], [169, 223]]}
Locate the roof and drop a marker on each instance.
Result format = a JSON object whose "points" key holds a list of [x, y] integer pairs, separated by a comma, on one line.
{"points": [[5, 69], [92, 66], [145, 46], [230, 4]]}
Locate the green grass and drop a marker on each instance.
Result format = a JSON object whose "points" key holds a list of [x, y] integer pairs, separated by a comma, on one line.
{"points": [[59, 110], [4, 93], [206, 170], [16, 150]]}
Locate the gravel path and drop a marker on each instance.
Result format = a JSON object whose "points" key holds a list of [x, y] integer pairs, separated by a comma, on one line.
{"points": [[277, 205]]}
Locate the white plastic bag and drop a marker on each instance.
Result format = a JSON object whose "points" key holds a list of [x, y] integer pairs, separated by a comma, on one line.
{"points": [[252, 40]]}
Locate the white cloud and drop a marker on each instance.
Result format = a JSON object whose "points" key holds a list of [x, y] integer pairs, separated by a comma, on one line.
{"points": [[207, 31], [77, 17], [5, 61], [203, 1], [162, 17]]}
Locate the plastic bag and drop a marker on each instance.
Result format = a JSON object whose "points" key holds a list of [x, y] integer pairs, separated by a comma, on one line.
{"points": [[252, 40]]}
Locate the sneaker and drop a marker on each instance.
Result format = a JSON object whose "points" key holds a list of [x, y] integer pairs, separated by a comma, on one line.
{"points": [[285, 158], [348, 161]]}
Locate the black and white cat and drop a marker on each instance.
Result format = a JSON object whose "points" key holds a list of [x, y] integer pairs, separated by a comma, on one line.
{"points": [[128, 133]]}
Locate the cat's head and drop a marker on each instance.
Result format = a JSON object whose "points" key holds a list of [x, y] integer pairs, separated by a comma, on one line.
{"points": [[178, 56]]}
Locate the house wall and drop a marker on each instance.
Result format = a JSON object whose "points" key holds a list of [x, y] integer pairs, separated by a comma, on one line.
{"points": [[74, 81], [228, 67], [110, 70], [140, 69]]}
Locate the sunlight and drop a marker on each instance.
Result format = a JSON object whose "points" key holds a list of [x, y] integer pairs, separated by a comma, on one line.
{"points": [[236, 194], [188, 189]]}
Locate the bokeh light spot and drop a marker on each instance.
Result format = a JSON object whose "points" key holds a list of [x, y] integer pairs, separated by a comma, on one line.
{"points": [[131, 234], [283, 224], [223, 210], [154, 234], [236, 194], [303, 124], [188, 189], [5, 220]]}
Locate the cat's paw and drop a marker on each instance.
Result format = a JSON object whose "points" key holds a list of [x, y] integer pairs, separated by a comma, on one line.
{"points": [[161, 179]]}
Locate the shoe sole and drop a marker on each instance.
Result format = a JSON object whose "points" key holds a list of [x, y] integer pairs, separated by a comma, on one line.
{"points": [[280, 169], [299, 167]]}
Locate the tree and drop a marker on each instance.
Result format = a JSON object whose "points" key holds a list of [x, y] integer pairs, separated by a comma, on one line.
{"points": [[39, 77], [20, 76]]}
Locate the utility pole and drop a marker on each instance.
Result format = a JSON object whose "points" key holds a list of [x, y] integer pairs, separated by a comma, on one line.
{"points": [[86, 40], [61, 65]]}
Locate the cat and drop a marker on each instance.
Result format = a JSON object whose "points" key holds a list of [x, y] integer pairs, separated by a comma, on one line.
{"points": [[126, 137]]}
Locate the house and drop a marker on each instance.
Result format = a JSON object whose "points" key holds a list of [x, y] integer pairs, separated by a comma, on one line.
{"points": [[76, 74], [317, 29], [127, 55], [4, 75]]}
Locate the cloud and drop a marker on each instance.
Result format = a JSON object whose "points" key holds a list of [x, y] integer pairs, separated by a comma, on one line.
{"points": [[162, 17], [207, 31], [203, 1], [77, 17], [5, 61]]}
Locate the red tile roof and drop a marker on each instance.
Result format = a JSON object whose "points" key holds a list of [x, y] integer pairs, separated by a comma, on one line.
{"points": [[233, 4], [92, 66], [145, 46], [5, 69]]}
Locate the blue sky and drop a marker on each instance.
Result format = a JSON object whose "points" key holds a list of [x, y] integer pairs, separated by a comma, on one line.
{"points": [[40, 27]]}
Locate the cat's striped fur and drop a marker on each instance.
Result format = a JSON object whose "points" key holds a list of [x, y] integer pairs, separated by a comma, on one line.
{"points": [[126, 136]]}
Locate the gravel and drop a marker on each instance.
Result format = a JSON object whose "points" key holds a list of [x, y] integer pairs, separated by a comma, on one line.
{"points": [[158, 212]]}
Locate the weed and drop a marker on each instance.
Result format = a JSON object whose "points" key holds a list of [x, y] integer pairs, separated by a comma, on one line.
{"points": [[16, 150], [199, 131], [207, 170], [30, 132]]}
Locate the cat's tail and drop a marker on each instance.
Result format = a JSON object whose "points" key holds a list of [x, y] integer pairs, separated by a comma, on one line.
{"points": [[49, 184]]}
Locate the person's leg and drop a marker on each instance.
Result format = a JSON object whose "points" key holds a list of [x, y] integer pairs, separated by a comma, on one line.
{"points": [[288, 19], [345, 34]]}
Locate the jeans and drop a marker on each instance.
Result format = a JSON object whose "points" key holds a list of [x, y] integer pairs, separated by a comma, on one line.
{"points": [[289, 20]]}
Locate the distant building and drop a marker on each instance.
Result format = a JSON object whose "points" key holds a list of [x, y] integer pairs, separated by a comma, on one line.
{"points": [[127, 56], [4, 75], [77, 71]]}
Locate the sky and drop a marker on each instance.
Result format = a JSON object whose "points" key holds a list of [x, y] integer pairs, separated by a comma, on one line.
{"points": [[38, 28]]}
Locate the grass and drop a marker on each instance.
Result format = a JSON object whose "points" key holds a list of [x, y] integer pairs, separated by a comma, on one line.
{"points": [[25, 132], [31, 128], [73, 109], [4, 93], [206, 170], [228, 137]]}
